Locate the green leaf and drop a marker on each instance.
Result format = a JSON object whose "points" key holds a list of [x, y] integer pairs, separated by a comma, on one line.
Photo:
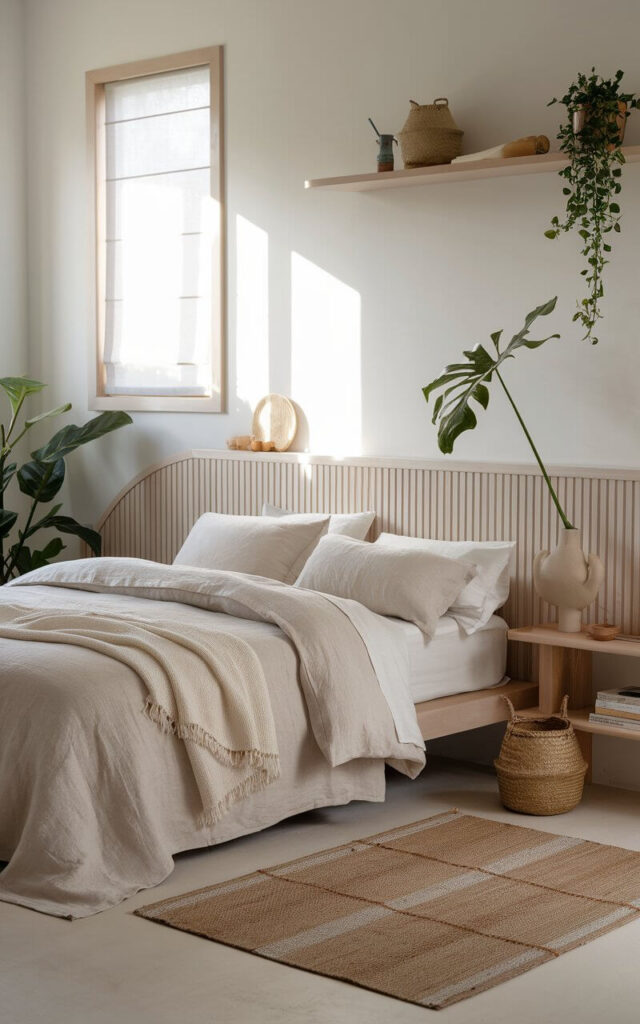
{"points": [[452, 412], [551, 233], [41, 480], [8, 473], [27, 560], [72, 436], [481, 394], [65, 524], [47, 415], [614, 208], [7, 519], [17, 389]]}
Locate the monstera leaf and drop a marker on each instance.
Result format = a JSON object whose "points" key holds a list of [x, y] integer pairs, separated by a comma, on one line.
{"points": [[460, 384]]}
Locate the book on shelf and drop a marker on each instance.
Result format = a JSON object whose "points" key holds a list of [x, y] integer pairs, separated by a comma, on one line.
{"points": [[618, 723], [623, 696], [617, 711]]}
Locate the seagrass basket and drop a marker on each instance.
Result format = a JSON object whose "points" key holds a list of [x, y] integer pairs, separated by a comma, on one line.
{"points": [[540, 768], [430, 135]]}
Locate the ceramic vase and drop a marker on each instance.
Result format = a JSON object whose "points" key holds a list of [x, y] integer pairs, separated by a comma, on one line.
{"points": [[567, 579]]}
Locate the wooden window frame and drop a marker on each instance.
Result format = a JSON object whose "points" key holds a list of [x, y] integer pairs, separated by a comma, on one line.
{"points": [[95, 102]]}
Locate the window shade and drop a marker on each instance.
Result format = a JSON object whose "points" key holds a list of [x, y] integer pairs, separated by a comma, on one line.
{"points": [[158, 235]]}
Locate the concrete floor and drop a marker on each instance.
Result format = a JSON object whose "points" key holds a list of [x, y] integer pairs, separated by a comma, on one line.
{"points": [[118, 968]]}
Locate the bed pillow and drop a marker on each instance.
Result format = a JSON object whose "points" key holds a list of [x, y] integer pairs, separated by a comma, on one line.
{"points": [[348, 524], [417, 586], [252, 544], [489, 589]]}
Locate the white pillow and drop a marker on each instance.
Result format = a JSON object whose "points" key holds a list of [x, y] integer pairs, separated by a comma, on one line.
{"points": [[415, 585], [348, 524], [251, 544], [487, 592]]}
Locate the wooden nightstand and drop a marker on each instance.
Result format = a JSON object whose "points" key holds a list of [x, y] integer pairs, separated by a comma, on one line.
{"points": [[564, 666]]}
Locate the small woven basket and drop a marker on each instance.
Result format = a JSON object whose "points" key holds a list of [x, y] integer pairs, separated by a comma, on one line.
{"points": [[540, 768], [430, 135]]}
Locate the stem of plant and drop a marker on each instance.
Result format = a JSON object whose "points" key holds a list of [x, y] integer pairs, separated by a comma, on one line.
{"points": [[554, 497]]}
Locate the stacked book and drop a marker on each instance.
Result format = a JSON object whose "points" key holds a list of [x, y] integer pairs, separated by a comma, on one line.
{"points": [[618, 707]]}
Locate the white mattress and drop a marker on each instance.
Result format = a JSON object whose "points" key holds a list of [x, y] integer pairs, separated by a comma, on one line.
{"points": [[454, 662]]}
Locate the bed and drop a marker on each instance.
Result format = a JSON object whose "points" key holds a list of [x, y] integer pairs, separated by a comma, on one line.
{"points": [[71, 799]]}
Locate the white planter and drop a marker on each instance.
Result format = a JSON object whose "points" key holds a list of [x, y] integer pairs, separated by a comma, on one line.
{"points": [[567, 579]]}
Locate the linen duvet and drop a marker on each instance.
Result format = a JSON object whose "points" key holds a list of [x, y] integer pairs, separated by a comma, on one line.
{"points": [[148, 709]]}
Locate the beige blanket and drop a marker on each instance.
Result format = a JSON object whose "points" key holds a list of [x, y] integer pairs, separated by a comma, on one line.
{"points": [[95, 800], [209, 690]]}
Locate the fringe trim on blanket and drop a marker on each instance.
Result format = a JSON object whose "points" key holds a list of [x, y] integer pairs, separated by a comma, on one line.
{"points": [[267, 765], [253, 784]]}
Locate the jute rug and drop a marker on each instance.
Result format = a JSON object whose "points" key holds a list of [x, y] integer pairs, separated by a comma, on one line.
{"points": [[430, 913]]}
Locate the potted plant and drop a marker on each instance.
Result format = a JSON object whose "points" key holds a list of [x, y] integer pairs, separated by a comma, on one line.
{"points": [[564, 578], [591, 137], [40, 479]]}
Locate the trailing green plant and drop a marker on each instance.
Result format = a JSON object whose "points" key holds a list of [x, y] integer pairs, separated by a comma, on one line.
{"points": [[590, 137], [40, 479], [461, 383]]}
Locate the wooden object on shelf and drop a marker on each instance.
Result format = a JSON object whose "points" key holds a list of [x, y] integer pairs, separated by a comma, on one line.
{"points": [[527, 146], [275, 422], [603, 631], [241, 443], [450, 173], [565, 666]]}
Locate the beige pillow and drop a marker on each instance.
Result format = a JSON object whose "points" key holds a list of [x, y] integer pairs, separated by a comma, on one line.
{"points": [[257, 545], [348, 524], [487, 591], [414, 585]]}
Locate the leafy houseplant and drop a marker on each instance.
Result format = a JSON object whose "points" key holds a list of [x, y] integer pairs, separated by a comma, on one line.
{"points": [[564, 578], [41, 478], [591, 137], [460, 383]]}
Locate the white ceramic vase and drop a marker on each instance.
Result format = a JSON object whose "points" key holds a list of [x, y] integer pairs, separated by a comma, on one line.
{"points": [[567, 579]]}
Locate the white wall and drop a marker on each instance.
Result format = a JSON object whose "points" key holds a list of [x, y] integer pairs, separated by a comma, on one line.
{"points": [[416, 274], [13, 298]]}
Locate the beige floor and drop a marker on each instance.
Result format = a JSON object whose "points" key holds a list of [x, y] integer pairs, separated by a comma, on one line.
{"points": [[119, 968]]}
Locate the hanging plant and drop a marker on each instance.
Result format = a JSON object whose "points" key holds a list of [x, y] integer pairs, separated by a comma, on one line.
{"points": [[591, 137]]}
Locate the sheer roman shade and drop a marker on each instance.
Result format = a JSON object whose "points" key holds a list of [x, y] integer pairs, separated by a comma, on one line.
{"points": [[158, 239]]}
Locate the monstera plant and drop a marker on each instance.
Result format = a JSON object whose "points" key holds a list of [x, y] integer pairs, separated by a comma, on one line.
{"points": [[460, 384], [40, 479]]}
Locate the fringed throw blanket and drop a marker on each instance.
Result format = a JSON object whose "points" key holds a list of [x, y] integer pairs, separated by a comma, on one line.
{"points": [[206, 688], [95, 798]]}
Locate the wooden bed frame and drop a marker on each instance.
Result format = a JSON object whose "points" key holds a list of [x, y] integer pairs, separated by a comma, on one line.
{"points": [[446, 500]]}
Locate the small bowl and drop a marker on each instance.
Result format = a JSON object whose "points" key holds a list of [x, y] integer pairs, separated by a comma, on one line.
{"points": [[603, 631]]}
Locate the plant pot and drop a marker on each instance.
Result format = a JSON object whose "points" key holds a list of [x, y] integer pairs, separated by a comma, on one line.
{"points": [[567, 579], [580, 117]]}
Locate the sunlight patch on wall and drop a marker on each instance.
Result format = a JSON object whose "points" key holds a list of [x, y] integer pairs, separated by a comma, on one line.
{"points": [[252, 312], [325, 357]]}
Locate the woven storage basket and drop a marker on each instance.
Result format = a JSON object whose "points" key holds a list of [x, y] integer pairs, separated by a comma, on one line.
{"points": [[430, 135], [540, 767]]}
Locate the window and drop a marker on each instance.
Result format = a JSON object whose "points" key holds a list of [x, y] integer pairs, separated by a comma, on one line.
{"points": [[156, 154]]}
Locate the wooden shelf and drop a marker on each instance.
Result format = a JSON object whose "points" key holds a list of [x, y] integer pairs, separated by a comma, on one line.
{"points": [[579, 718], [448, 173], [581, 723], [550, 636]]}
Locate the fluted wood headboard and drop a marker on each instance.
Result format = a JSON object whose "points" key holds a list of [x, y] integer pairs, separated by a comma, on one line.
{"points": [[447, 500]]}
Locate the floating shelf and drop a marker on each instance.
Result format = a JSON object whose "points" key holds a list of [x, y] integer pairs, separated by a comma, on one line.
{"points": [[443, 173]]}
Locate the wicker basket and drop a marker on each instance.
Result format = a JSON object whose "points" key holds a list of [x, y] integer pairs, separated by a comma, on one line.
{"points": [[430, 135], [540, 768]]}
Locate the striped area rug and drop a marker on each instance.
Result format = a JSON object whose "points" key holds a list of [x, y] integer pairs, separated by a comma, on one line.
{"points": [[431, 913]]}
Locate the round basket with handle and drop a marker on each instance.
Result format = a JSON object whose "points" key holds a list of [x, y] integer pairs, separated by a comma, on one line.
{"points": [[540, 768], [430, 134]]}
